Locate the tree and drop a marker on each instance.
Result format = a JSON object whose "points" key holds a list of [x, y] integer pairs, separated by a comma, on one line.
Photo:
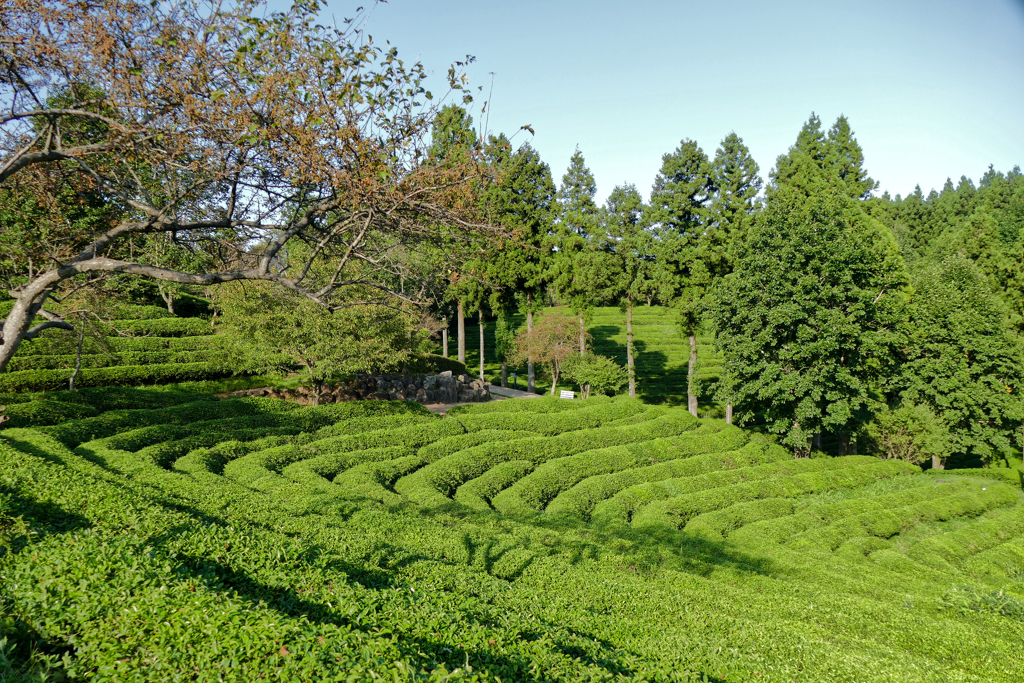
{"points": [[846, 159], [961, 361], [274, 329], [577, 268], [807, 321], [680, 212], [233, 131], [551, 341], [737, 185], [522, 202], [911, 433], [631, 245], [594, 373]]}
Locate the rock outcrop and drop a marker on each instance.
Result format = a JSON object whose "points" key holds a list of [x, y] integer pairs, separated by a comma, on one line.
{"points": [[443, 388]]}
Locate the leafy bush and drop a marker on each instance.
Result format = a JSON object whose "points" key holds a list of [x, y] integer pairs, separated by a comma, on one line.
{"points": [[911, 433], [118, 375], [595, 373]]}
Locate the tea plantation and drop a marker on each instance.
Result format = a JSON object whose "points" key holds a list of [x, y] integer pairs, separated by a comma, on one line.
{"points": [[662, 354], [142, 345], [171, 536]]}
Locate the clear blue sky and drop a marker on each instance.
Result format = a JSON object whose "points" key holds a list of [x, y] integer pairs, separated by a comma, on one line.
{"points": [[931, 89]]}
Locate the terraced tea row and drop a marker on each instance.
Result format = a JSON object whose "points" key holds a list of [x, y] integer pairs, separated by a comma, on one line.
{"points": [[520, 540]]}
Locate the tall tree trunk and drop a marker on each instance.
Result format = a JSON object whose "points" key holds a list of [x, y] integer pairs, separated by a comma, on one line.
{"points": [[583, 337], [481, 319], [167, 294], [853, 446], [728, 413], [816, 441], [844, 444], [691, 396], [554, 380], [504, 374], [937, 463], [530, 376], [18, 326], [444, 340], [630, 367], [462, 332]]}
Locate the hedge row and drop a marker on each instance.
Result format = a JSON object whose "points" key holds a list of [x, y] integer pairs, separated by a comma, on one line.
{"points": [[797, 478], [48, 346], [774, 520], [477, 493], [441, 478], [948, 550], [102, 360], [321, 471], [373, 480], [888, 523], [121, 375], [541, 404], [706, 449], [1004, 474], [116, 421], [163, 327]]}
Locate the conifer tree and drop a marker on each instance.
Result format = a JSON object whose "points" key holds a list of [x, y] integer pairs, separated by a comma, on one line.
{"points": [[630, 246], [680, 212], [846, 159], [576, 266], [807, 320]]}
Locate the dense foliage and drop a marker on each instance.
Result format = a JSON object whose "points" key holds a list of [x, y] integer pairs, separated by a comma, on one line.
{"points": [[517, 540]]}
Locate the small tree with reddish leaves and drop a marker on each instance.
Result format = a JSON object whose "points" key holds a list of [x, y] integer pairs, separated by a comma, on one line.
{"points": [[553, 339]]}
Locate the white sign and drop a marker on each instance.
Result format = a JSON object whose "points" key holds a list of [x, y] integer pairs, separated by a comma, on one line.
{"points": [[568, 394]]}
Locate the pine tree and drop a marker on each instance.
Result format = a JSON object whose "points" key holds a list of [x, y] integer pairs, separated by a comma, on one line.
{"points": [[630, 246], [680, 213], [846, 159], [577, 269]]}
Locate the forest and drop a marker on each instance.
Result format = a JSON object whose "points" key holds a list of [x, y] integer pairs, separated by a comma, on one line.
{"points": [[795, 442]]}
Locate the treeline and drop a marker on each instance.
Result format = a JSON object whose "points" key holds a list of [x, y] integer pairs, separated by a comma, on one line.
{"points": [[847, 321]]}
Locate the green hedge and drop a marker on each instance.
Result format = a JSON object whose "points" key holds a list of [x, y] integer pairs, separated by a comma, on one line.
{"points": [[946, 551], [121, 375], [102, 360], [573, 434], [792, 479], [1004, 474], [477, 493], [48, 346], [706, 449]]}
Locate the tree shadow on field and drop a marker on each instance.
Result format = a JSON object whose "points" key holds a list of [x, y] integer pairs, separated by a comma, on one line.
{"points": [[646, 550], [38, 518]]}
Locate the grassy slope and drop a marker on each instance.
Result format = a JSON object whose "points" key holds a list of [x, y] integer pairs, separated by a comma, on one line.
{"points": [[225, 540], [662, 353]]}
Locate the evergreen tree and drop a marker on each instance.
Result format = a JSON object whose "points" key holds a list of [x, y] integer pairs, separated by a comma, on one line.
{"points": [[803, 165], [454, 141], [680, 212], [962, 362], [577, 267], [806, 321], [523, 202], [737, 185], [630, 247], [846, 159]]}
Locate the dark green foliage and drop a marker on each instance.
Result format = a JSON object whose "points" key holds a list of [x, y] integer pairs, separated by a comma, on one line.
{"points": [[120, 375], [807, 320], [962, 362]]}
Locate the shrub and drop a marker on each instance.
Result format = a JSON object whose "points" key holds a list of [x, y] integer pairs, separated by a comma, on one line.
{"points": [[595, 373], [121, 375]]}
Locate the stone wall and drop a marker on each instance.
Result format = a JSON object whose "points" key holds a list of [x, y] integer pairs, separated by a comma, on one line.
{"points": [[443, 388]]}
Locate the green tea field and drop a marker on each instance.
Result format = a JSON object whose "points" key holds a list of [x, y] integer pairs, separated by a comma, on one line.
{"points": [[662, 353], [175, 537]]}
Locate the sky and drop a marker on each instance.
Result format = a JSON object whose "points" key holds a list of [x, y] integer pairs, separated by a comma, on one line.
{"points": [[932, 89]]}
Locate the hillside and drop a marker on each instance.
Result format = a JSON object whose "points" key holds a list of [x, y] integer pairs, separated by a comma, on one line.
{"points": [[662, 353], [539, 540], [142, 345]]}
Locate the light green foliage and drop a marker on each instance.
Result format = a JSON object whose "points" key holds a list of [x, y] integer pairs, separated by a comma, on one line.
{"points": [[313, 561], [910, 432], [595, 373]]}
